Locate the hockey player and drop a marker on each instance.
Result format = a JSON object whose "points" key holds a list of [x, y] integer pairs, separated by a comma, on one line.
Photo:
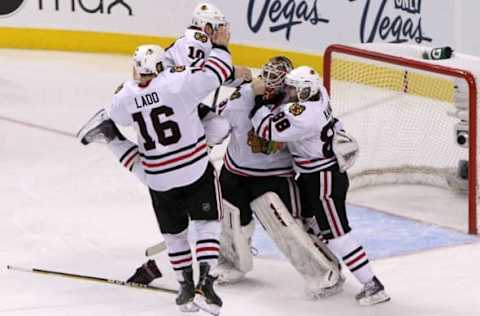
{"points": [[193, 48], [195, 45], [253, 166], [307, 124], [162, 106]]}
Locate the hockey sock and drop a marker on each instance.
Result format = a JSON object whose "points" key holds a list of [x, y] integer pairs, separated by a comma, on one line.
{"points": [[127, 154], [179, 252], [353, 255], [208, 245]]}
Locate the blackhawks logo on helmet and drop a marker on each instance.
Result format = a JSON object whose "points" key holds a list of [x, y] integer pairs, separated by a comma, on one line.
{"points": [[202, 37], [296, 109]]}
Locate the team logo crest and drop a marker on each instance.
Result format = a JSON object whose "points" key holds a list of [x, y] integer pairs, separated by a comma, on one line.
{"points": [[201, 37], [260, 145], [296, 109], [177, 69], [235, 95]]}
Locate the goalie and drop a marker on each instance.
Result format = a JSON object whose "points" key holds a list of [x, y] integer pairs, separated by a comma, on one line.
{"points": [[252, 168], [322, 152]]}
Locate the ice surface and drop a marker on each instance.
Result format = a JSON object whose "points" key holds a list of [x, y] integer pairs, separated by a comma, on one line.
{"points": [[73, 208]]}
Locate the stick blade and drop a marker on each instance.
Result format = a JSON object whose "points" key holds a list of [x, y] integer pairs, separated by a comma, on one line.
{"points": [[155, 249]]}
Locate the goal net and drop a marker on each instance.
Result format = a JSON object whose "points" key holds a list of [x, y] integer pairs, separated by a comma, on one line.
{"points": [[409, 115]]}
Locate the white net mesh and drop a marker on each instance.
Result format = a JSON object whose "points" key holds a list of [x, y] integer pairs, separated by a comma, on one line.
{"points": [[398, 114]]}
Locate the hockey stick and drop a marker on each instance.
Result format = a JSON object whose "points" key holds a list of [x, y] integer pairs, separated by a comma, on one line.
{"points": [[155, 249], [92, 278]]}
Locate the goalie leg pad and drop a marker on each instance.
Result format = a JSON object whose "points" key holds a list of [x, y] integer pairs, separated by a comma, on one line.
{"points": [[319, 270], [235, 239]]}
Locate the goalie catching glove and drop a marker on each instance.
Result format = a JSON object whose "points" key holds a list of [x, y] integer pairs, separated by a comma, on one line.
{"points": [[345, 147]]}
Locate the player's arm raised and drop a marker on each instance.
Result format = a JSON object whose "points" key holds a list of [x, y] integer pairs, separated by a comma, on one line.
{"points": [[216, 70]]}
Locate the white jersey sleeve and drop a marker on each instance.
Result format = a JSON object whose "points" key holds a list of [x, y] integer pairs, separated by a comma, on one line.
{"points": [[118, 112], [294, 122], [307, 127], [199, 82], [248, 154]]}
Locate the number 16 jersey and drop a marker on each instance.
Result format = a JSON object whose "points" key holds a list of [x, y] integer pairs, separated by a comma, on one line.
{"points": [[171, 137]]}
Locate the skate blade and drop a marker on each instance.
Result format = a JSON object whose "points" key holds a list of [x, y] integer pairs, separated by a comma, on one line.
{"points": [[202, 304], [380, 297], [188, 308]]}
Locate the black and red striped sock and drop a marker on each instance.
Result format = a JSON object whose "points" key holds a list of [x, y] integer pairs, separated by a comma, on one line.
{"points": [[354, 257]]}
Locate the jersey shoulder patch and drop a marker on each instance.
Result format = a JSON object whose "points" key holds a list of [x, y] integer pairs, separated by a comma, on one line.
{"points": [[296, 109], [119, 88], [235, 95], [202, 37], [177, 69]]}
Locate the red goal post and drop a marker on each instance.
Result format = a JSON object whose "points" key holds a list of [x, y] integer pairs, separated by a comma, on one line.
{"points": [[429, 67]]}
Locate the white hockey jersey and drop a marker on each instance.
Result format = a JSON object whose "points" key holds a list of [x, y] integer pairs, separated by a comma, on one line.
{"points": [[171, 138], [191, 49], [247, 154], [307, 127]]}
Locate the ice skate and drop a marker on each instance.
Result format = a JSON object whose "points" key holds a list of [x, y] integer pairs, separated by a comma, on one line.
{"points": [[99, 129], [206, 299], [186, 293], [146, 273], [372, 293]]}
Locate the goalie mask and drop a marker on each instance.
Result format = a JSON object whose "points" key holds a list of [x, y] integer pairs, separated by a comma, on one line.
{"points": [[274, 73], [304, 81], [206, 13], [149, 60]]}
